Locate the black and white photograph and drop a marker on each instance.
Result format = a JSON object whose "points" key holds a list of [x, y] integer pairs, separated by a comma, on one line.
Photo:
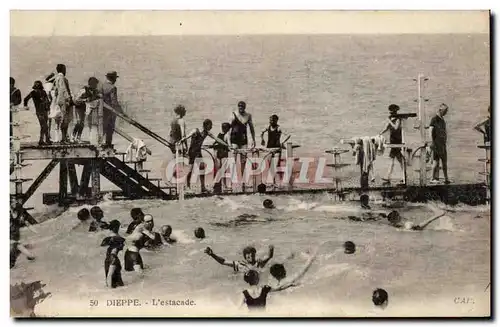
{"points": [[175, 163]]}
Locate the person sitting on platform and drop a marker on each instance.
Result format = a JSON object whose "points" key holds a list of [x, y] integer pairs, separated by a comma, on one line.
{"points": [[484, 127], [194, 152], [137, 218], [42, 108], [97, 224], [249, 262], [87, 95], [393, 125]]}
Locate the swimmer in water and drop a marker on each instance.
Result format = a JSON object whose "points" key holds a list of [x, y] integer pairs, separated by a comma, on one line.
{"points": [[114, 227], [395, 220], [278, 271], [112, 264], [135, 242], [98, 223], [161, 238], [137, 218], [249, 262], [255, 297], [16, 247], [268, 204], [380, 298]]}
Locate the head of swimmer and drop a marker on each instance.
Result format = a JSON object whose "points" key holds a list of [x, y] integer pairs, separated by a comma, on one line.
{"points": [[380, 297], [148, 222], [137, 214], [268, 204], [83, 214], [394, 218], [207, 125], [278, 271], [225, 127], [96, 213], [166, 230], [242, 106], [114, 226], [273, 120], [249, 254], [180, 111], [251, 277], [349, 247]]}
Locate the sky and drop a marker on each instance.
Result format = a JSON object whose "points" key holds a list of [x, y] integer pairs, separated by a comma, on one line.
{"points": [[120, 23]]}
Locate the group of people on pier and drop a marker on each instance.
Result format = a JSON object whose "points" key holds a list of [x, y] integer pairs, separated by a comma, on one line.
{"points": [[55, 105]]}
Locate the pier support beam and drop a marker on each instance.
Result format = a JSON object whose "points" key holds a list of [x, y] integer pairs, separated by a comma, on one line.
{"points": [[63, 181], [95, 189], [73, 178], [85, 179], [39, 180]]}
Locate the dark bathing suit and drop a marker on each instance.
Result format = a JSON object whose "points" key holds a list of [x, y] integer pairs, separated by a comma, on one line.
{"points": [[259, 302], [238, 132], [116, 279], [134, 258], [195, 147], [221, 151], [273, 137], [395, 137]]}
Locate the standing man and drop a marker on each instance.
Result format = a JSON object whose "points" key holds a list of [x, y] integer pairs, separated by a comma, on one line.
{"points": [[438, 136], [393, 125], [484, 127], [110, 97], [15, 99], [63, 99], [238, 134], [85, 96]]}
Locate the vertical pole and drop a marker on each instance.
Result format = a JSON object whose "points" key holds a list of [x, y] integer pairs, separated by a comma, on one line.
{"points": [[17, 160], [63, 182], [73, 178], [85, 179], [180, 186], [403, 149], [422, 124], [100, 122], [290, 161], [95, 189]]}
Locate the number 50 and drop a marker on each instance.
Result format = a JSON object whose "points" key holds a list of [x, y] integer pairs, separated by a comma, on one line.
{"points": [[94, 303]]}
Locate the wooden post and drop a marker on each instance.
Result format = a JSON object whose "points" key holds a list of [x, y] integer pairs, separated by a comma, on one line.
{"points": [[63, 182], [100, 122], [95, 190], [85, 179], [180, 186], [289, 160], [423, 132], [73, 178]]}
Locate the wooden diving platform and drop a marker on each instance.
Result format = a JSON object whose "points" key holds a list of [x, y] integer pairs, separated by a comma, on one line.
{"points": [[84, 150]]}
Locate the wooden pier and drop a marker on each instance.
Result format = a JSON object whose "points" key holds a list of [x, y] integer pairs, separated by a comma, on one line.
{"points": [[134, 182]]}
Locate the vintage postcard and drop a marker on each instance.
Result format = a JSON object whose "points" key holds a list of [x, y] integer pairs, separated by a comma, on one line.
{"points": [[250, 163]]}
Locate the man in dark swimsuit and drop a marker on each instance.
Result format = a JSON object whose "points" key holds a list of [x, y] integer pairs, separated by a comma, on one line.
{"points": [[439, 138], [274, 142], [484, 127], [194, 152], [178, 129], [42, 108], [238, 134], [221, 154], [87, 94], [395, 137], [161, 238]]}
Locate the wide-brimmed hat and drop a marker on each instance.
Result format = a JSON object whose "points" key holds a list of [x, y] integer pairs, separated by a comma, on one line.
{"points": [[112, 74], [393, 108]]}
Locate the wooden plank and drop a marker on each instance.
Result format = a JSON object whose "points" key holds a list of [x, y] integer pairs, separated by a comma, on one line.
{"points": [[58, 153], [39, 180]]}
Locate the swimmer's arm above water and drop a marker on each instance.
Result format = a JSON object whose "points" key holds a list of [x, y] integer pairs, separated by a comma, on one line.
{"points": [[297, 276], [220, 260], [428, 221], [270, 254]]}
